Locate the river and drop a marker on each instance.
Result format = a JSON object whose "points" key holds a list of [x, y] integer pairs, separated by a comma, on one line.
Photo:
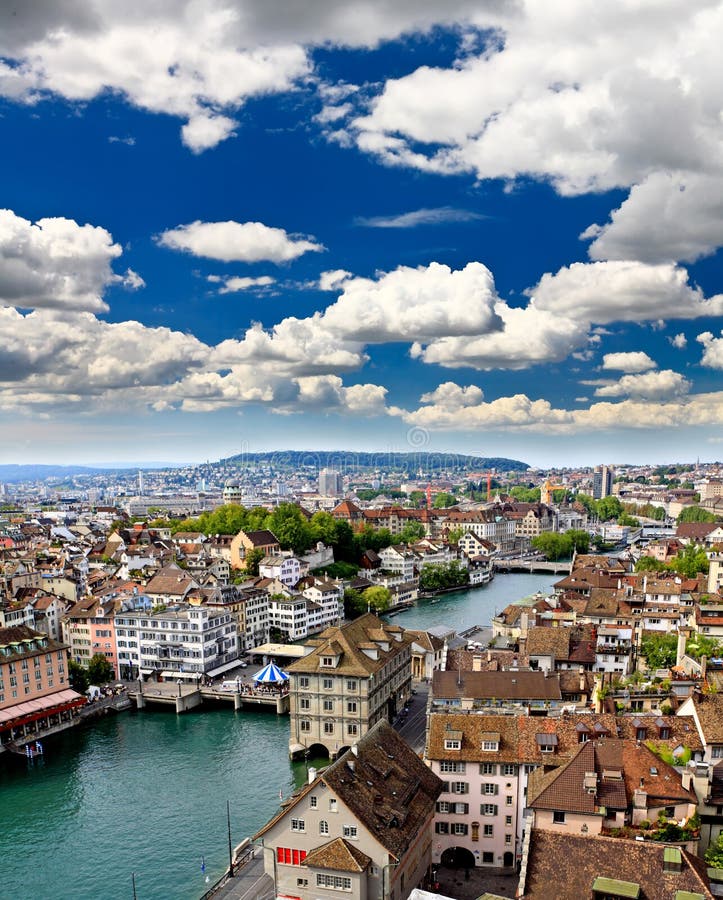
{"points": [[146, 792], [475, 606]]}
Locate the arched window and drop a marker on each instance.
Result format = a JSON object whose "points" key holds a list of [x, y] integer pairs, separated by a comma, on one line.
{"points": [[475, 831], [323, 827]]}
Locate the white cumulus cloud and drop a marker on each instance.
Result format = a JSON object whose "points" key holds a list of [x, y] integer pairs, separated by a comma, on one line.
{"points": [[57, 263], [647, 386], [636, 361], [712, 350], [237, 242]]}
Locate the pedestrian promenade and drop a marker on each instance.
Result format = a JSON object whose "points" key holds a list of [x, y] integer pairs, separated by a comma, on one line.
{"points": [[249, 883]]}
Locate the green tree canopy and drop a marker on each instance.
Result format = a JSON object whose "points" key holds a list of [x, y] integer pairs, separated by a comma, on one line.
{"points": [[252, 560], [696, 514], [412, 532], [714, 853], [376, 598], [443, 576], [78, 677], [690, 561], [291, 528], [650, 564], [579, 539], [659, 650], [324, 528], [525, 494], [444, 499], [100, 670], [609, 508], [553, 545]]}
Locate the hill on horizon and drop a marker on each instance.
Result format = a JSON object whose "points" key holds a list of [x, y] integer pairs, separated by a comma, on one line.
{"points": [[351, 461]]}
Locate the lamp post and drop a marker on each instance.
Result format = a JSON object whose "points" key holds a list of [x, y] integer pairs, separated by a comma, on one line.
{"points": [[230, 848], [386, 879], [273, 857]]}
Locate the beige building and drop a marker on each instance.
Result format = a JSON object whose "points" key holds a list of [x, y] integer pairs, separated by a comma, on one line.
{"points": [[355, 676], [245, 541], [363, 827]]}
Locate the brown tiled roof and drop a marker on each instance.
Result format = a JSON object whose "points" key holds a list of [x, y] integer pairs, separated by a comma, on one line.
{"points": [[472, 728], [496, 685], [171, 580], [349, 639], [553, 642], [339, 855], [564, 866], [384, 784], [262, 538], [563, 788], [390, 791], [639, 767], [709, 710], [696, 530], [16, 635], [604, 602]]}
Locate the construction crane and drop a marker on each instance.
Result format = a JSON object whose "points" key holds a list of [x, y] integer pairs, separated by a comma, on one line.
{"points": [[547, 489]]}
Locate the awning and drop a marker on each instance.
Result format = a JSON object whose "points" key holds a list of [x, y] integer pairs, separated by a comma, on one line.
{"points": [[31, 710], [168, 675], [234, 664]]}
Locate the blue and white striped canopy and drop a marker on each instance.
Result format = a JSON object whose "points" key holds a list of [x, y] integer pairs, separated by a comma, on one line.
{"points": [[271, 674]]}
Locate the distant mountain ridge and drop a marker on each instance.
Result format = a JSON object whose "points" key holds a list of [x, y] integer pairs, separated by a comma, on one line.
{"points": [[350, 461], [15, 472]]}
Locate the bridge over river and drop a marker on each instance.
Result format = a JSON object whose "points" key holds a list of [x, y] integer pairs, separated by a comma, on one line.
{"points": [[526, 564], [184, 696]]}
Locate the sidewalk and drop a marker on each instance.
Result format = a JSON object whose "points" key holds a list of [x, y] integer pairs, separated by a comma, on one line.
{"points": [[250, 883]]}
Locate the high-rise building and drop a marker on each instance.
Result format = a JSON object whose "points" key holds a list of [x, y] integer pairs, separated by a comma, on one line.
{"points": [[330, 483], [602, 481]]}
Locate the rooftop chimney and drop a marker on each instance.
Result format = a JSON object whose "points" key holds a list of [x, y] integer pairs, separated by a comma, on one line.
{"points": [[477, 662]]}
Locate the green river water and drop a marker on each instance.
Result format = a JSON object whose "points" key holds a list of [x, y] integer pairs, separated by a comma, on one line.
{"points": [[146, 792]]}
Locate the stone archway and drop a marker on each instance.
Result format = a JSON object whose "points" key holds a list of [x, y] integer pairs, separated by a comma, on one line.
{"points": [[458, 858]]}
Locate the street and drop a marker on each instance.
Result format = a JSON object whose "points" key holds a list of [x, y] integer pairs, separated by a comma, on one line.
{"points": [[413, 726]]}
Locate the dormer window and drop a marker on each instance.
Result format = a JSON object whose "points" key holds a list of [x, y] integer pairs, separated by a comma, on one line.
{"points": [[452, 744], [490, 742], [547, 743], [327, 662]]}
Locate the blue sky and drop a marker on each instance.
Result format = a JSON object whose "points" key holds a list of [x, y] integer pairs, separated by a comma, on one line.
{"points": [[478, 226]]}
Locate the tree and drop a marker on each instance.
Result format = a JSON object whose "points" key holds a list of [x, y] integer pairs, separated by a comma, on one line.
{"points": [[579, 539], [443, 576], [690, 561], [289, 525], [630, 521], [353, 604], [650, 564], [609, 508], [376, 598], [552, 545], [78, 677], [324, 528], [714, 853], [696, 514], [659, 650], [417, 498], [699, 645], [454, 535], [99, 669], [443, 500], [252, 560], [525, 495], [412, 532]]}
